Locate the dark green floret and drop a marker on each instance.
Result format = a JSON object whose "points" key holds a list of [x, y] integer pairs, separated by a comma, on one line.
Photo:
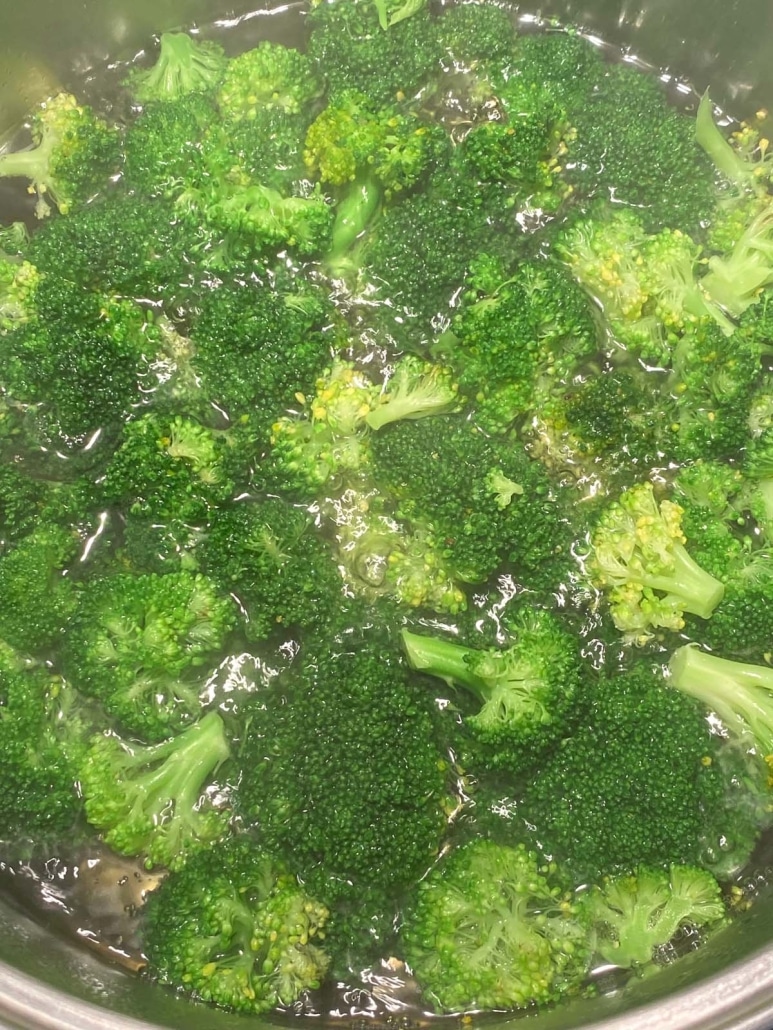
{"points": [[236, 929], [143, 646]]}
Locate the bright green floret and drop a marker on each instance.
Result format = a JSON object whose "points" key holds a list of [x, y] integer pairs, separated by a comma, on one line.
{"points": [[492, 930], [639, 560], [184, 65], [268, 76], [236, 929], [149, 800], [527, 690], [415, 389], [634, 914], [73, 156]]}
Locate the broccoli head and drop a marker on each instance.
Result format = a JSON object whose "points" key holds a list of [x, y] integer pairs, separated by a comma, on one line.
{"points": [[184, 65]]}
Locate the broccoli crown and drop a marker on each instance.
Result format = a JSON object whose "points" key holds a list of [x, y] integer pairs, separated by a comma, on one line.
{"points": [[73, 156], [475, 33], [267, 76], [639, 559], [361, 45], [163, 151], [630, 140], [634, 913], [266, 148], [738, 692], [341, 770], [267, 554], [647, 801], [38, 595], [148, 799], [446, 476], [234, 928], [42, 735], [169, 468], [381, 557], [184, 65], [82, 352], [256, 349], [561, 61], [352, 136], [528, 690], [491, 929], [141, 644], [133, 246]]}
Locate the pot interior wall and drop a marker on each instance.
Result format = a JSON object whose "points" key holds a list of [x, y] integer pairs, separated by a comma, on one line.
{"points": [[53, 42]]}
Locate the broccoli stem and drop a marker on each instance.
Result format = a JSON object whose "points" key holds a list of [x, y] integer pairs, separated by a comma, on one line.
{"points": [[353, 215], [708, 136], [698, 592], [741, 694], [447, 661]]}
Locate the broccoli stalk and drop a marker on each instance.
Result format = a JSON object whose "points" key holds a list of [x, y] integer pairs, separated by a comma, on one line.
{"points": [[184, 65], [634, 914], [416, 389], [353, 215], [729, 161], [741, 694], [146, 800]]}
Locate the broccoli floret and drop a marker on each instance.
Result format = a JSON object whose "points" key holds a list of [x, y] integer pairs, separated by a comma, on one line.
{"points": [[141, 644], [38, 594], [527, 690], [633, 784], [268, 76], [632, 144], [381, 557], [268, 555], [265, 149], [639, 560], [739, 693], [43, 733], [561, 61], [448, 478], [148, 800], [255, 348], [475, 33], [73, 156], [633, 914], [491, 929], [184, 65], [344, 776], [233, 927], [18, 286], [358, 44], [163, 149], [170, 469], [414, 389]]}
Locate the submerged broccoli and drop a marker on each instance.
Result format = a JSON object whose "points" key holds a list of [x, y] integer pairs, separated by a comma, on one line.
{"points": [[73, 156], [233, 927], [633, 914], [638, 557], [184, 65], [528, 690], [149, 800], [491, 929]]}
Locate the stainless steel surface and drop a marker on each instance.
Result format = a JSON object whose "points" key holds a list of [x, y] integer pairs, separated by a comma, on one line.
{"points": [[47, 982]]}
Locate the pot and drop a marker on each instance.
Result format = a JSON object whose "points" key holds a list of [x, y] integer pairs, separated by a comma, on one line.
{"points": [[47, 981]]}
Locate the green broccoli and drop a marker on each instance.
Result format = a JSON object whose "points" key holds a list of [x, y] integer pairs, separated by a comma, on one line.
{"points": [[149, 800], [184, 65], [268, 76], [639, 560], [141, 645], [492, 929], [527, 690], [234, 928], [74, 155], [635, 913]]}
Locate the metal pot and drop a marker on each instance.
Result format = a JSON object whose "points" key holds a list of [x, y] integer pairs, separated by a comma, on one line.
{"points": [[48, 982]]}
